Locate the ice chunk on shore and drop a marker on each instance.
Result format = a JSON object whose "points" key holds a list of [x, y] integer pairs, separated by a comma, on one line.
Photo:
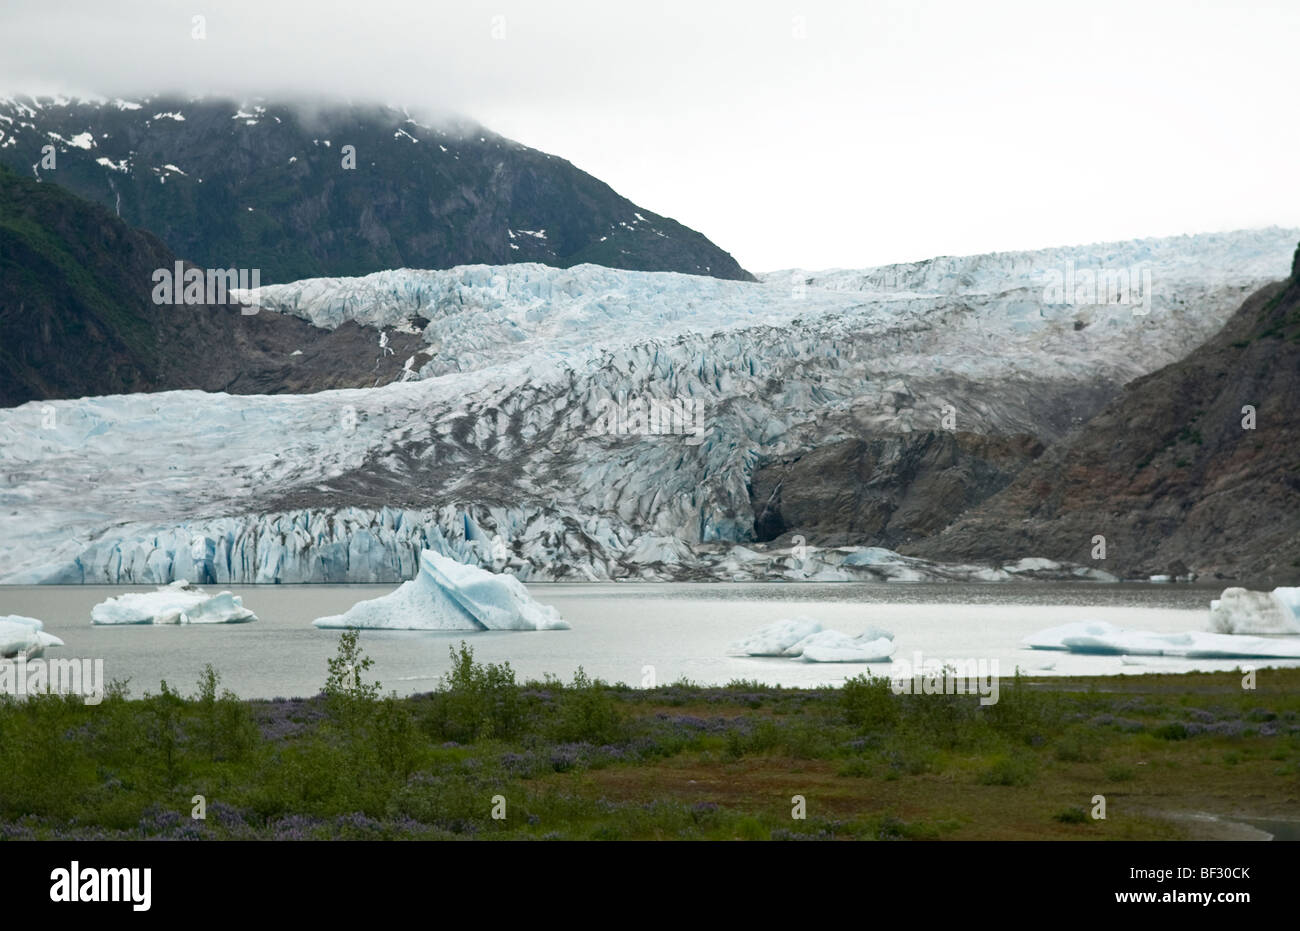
{"points": [[448, 595], [1238, 611], [873, 556], [775, 639], [24, 636], [1100, 638], [831, 646], [1033, 564], [172, 604]]}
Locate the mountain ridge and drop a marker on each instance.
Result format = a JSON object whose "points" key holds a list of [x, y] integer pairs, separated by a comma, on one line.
{"points": [[268, 187]]}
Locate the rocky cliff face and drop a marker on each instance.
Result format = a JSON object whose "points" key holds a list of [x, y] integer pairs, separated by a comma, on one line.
{"points": [[266, 186], [884, 491], [1195, 466], [77, 317]]}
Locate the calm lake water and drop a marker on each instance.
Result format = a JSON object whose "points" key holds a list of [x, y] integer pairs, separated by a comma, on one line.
{"points": [[679, 629]]}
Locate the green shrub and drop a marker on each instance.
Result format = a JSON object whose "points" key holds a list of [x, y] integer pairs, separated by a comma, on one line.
{"points": [[1175, 730], [1022, 713], [910, 759], [344, 684], [857, 767], [1120, 773], [1071, 816], [475, 700], [1008, 771], [394, 737], [869, 702], [1073, 749], [765, 737], [942, 720], [163, 730], [587, 712], [223, 726]]}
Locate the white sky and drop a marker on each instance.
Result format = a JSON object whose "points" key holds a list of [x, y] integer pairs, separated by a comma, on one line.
{"points": [[892, 131]]}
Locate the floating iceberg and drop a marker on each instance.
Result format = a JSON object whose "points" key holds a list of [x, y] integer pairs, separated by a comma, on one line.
{"points": [[1238, 611], [1053, 638], [448, 595], [871, 633], [801, 636], [24, 636], [831, 646], [1100, 638], [805, 637], [777, 638], [172, 604]]}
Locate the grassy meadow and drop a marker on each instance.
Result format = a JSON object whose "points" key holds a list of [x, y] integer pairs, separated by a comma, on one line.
{"points": [[488, 757]]}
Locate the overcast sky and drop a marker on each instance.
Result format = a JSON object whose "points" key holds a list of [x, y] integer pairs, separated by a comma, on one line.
{"points": [[814, 134]]}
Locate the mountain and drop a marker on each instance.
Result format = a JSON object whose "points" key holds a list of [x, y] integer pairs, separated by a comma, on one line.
{"points": [[599, 423], [1172, 473], [264, 186], [77, 316]]}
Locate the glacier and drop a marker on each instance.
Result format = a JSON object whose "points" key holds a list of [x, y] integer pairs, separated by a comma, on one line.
{"points": [[495, 448], [448, 595], [176, 603]]}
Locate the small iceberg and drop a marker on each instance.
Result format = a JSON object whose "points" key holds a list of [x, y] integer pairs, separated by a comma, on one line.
{"points": [[1053, 638], [1100, 638], [871, 633], [831, 646], [1238, 611], [776, 639], [448, 595], [24, 637], [177, 603], [802, 636]]}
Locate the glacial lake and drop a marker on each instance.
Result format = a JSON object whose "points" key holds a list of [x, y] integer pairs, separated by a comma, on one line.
{"points": [[680, 629]]}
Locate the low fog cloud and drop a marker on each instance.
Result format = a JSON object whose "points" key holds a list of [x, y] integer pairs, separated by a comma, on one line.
{"points": [[791, 133]]}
